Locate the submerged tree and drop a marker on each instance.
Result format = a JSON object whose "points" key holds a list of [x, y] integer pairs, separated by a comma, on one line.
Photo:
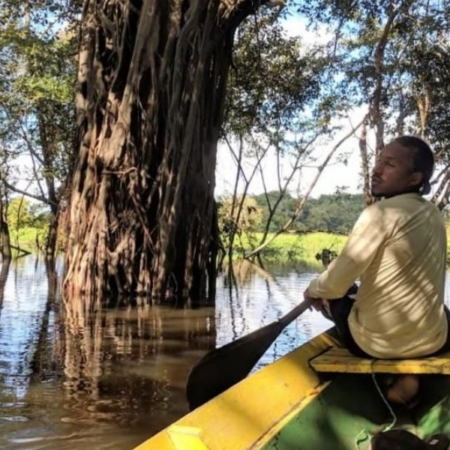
{"points": [[37, 68], [152, 77]]}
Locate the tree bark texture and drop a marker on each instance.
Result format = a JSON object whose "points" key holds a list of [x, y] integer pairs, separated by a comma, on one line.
{"points": [[376, 112], [152, 77], [365, 170]]}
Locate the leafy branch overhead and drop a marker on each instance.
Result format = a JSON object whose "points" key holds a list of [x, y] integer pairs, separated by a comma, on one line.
{"points": [[272, 79]]}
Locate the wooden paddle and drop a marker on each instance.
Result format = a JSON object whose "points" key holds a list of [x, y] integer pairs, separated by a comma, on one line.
{"points": [[223, 367]]}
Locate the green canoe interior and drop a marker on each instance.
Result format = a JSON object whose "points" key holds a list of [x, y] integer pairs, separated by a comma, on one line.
{"points": [[351, 410]]}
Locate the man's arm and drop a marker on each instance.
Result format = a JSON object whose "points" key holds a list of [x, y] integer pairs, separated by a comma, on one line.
{"points": [[366, 239]]}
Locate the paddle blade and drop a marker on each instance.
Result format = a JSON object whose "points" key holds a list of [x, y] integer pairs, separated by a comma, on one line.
{"points": [[222, 368], [218, 371]]}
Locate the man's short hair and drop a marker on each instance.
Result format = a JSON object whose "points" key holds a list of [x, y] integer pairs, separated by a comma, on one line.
{"points": [[423, 159]]}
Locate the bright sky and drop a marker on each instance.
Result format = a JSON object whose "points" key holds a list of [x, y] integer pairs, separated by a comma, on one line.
{"points": [[337, 174]]}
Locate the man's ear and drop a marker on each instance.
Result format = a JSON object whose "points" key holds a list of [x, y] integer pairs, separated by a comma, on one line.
{"points": [[416, 179]]}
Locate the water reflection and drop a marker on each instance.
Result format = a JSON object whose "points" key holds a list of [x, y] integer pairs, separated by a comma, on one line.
{"points": [[260, 297], [110, 379]]}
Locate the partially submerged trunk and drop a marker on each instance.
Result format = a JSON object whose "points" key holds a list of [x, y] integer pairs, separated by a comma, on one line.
{"points": [[5, 240], [49, 149], [152, 78], [52, 238]]}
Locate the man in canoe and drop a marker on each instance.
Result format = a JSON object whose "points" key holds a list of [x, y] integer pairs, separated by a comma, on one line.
{"points": [[398, 250]]}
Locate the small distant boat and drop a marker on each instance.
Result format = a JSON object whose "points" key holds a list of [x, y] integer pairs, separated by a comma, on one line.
{"points": [[318, 397]]}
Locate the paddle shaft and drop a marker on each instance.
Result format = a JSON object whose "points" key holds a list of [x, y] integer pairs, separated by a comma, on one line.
{"points": [[223, 367]]}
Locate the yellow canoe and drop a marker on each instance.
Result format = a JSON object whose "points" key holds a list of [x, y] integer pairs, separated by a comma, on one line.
{"points": [[291, 405]]}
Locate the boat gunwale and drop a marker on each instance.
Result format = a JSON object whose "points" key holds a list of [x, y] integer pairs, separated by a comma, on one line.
{"points": [[292, 377]]}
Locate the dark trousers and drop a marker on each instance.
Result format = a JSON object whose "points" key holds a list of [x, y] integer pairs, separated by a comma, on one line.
{"points": [[340, 310]]}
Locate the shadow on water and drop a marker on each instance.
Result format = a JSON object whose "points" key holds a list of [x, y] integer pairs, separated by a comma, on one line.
{"points": [[107, 380], [111, 379]]}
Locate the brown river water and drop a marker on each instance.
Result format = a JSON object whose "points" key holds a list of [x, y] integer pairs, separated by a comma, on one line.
{"points": [[114, 378]]}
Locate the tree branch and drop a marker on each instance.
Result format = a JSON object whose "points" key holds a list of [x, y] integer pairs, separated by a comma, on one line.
{"points": [[305, 198], [27, 194]]}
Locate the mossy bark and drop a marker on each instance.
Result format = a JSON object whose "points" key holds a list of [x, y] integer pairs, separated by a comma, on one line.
{"points": [[152, 78]]}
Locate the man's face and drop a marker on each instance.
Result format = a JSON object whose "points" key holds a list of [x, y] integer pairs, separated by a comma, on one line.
{"points": [[393, 172]]}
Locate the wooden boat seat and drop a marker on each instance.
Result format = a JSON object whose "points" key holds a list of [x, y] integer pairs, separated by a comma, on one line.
{"points": [[340, 360]]}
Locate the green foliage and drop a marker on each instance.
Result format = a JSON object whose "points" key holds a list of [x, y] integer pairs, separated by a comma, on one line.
{"points": [[237, 220], [272, 79], [323, 224], [18, 213], [38, 45], [277, 87], [21, 213], [29, 238], [28, 223], [330, 213], [242, 215], [294, 247], [414, 65], [40, 216]]}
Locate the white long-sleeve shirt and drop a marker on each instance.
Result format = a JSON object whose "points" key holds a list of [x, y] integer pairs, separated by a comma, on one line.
{"points": [[398, 248]]}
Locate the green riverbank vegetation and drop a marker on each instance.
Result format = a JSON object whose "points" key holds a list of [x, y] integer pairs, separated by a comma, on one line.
{"points": [[292, 247], [323, 225]]}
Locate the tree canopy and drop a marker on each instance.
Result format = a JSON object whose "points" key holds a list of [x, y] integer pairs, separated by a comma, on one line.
{"points": [[329, 213]]}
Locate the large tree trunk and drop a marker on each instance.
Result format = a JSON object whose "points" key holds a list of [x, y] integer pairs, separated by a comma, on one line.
{"points": [[152, 78]]}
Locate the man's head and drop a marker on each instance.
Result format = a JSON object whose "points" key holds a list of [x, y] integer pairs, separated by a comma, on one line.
{"points": [[404, 165]]}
